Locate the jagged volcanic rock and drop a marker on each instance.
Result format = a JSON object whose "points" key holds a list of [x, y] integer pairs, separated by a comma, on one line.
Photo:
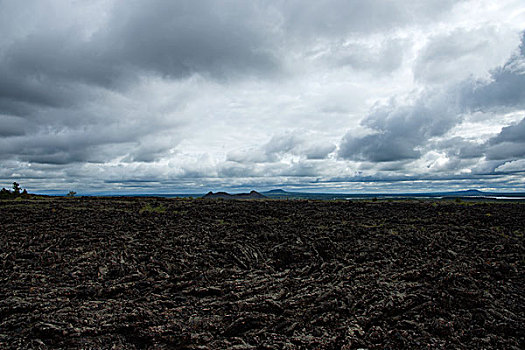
{"points": [[156, 273]]}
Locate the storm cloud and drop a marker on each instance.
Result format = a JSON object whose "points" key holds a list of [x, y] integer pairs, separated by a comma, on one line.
{"points": [[407, 131], [398, 130], [148, 96]]}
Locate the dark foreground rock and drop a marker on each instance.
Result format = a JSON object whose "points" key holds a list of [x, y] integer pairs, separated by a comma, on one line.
{"points": [[197, 274]]}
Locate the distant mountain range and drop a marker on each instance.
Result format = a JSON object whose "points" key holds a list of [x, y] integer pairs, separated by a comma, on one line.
{"points": [[477, 193], [472, 193], [225, 195]]}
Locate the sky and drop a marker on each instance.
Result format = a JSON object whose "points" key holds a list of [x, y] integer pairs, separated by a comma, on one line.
{"points": [[188, 96]]}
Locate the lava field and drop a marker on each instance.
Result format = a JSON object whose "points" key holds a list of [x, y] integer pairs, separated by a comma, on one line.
{"points": [[149, 273]]}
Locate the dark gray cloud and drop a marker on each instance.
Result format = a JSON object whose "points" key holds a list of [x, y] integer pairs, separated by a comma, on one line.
{"points": [[505, 91], [398, 130], [51, 68], [52, 74], [458, 147], [402, 131], [509, 144], [185, 37], [12, 126], [512, 133], [177, 39], [378, 148]]}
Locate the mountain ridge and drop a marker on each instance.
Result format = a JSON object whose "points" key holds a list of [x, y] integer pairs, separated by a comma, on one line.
{"points": [[226, 195]]}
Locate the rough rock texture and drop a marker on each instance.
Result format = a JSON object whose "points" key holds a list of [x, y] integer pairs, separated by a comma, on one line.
{"points": [[199, 274]]}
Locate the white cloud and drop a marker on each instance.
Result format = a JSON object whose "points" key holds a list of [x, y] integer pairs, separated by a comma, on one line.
{"points": [[512, 166], [142, 96]]}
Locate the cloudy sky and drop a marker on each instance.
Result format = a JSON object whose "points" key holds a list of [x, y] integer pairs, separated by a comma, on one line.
{"points": [[157, 96]]}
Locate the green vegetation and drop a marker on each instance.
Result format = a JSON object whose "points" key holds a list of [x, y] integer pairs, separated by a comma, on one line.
{"points": [[16, 189], [148, 208], [17, 192]]}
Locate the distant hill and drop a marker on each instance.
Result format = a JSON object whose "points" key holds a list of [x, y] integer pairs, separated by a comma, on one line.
{"points": [[276, 191], [467, 193], [278, 194], [225, 195]]}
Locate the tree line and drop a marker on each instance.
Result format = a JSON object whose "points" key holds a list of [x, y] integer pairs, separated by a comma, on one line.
{"points": [[15, 193]]}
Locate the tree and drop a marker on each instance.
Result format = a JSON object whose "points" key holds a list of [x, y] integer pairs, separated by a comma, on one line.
{"points": [[5, 193], [16, 188]]}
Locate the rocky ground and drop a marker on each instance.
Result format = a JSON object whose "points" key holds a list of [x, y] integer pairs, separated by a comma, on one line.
{"points": [[214, 274]]}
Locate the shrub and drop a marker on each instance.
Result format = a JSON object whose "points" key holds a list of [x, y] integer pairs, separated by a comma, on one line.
{"points": [[5, 193], [148, 208]]}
